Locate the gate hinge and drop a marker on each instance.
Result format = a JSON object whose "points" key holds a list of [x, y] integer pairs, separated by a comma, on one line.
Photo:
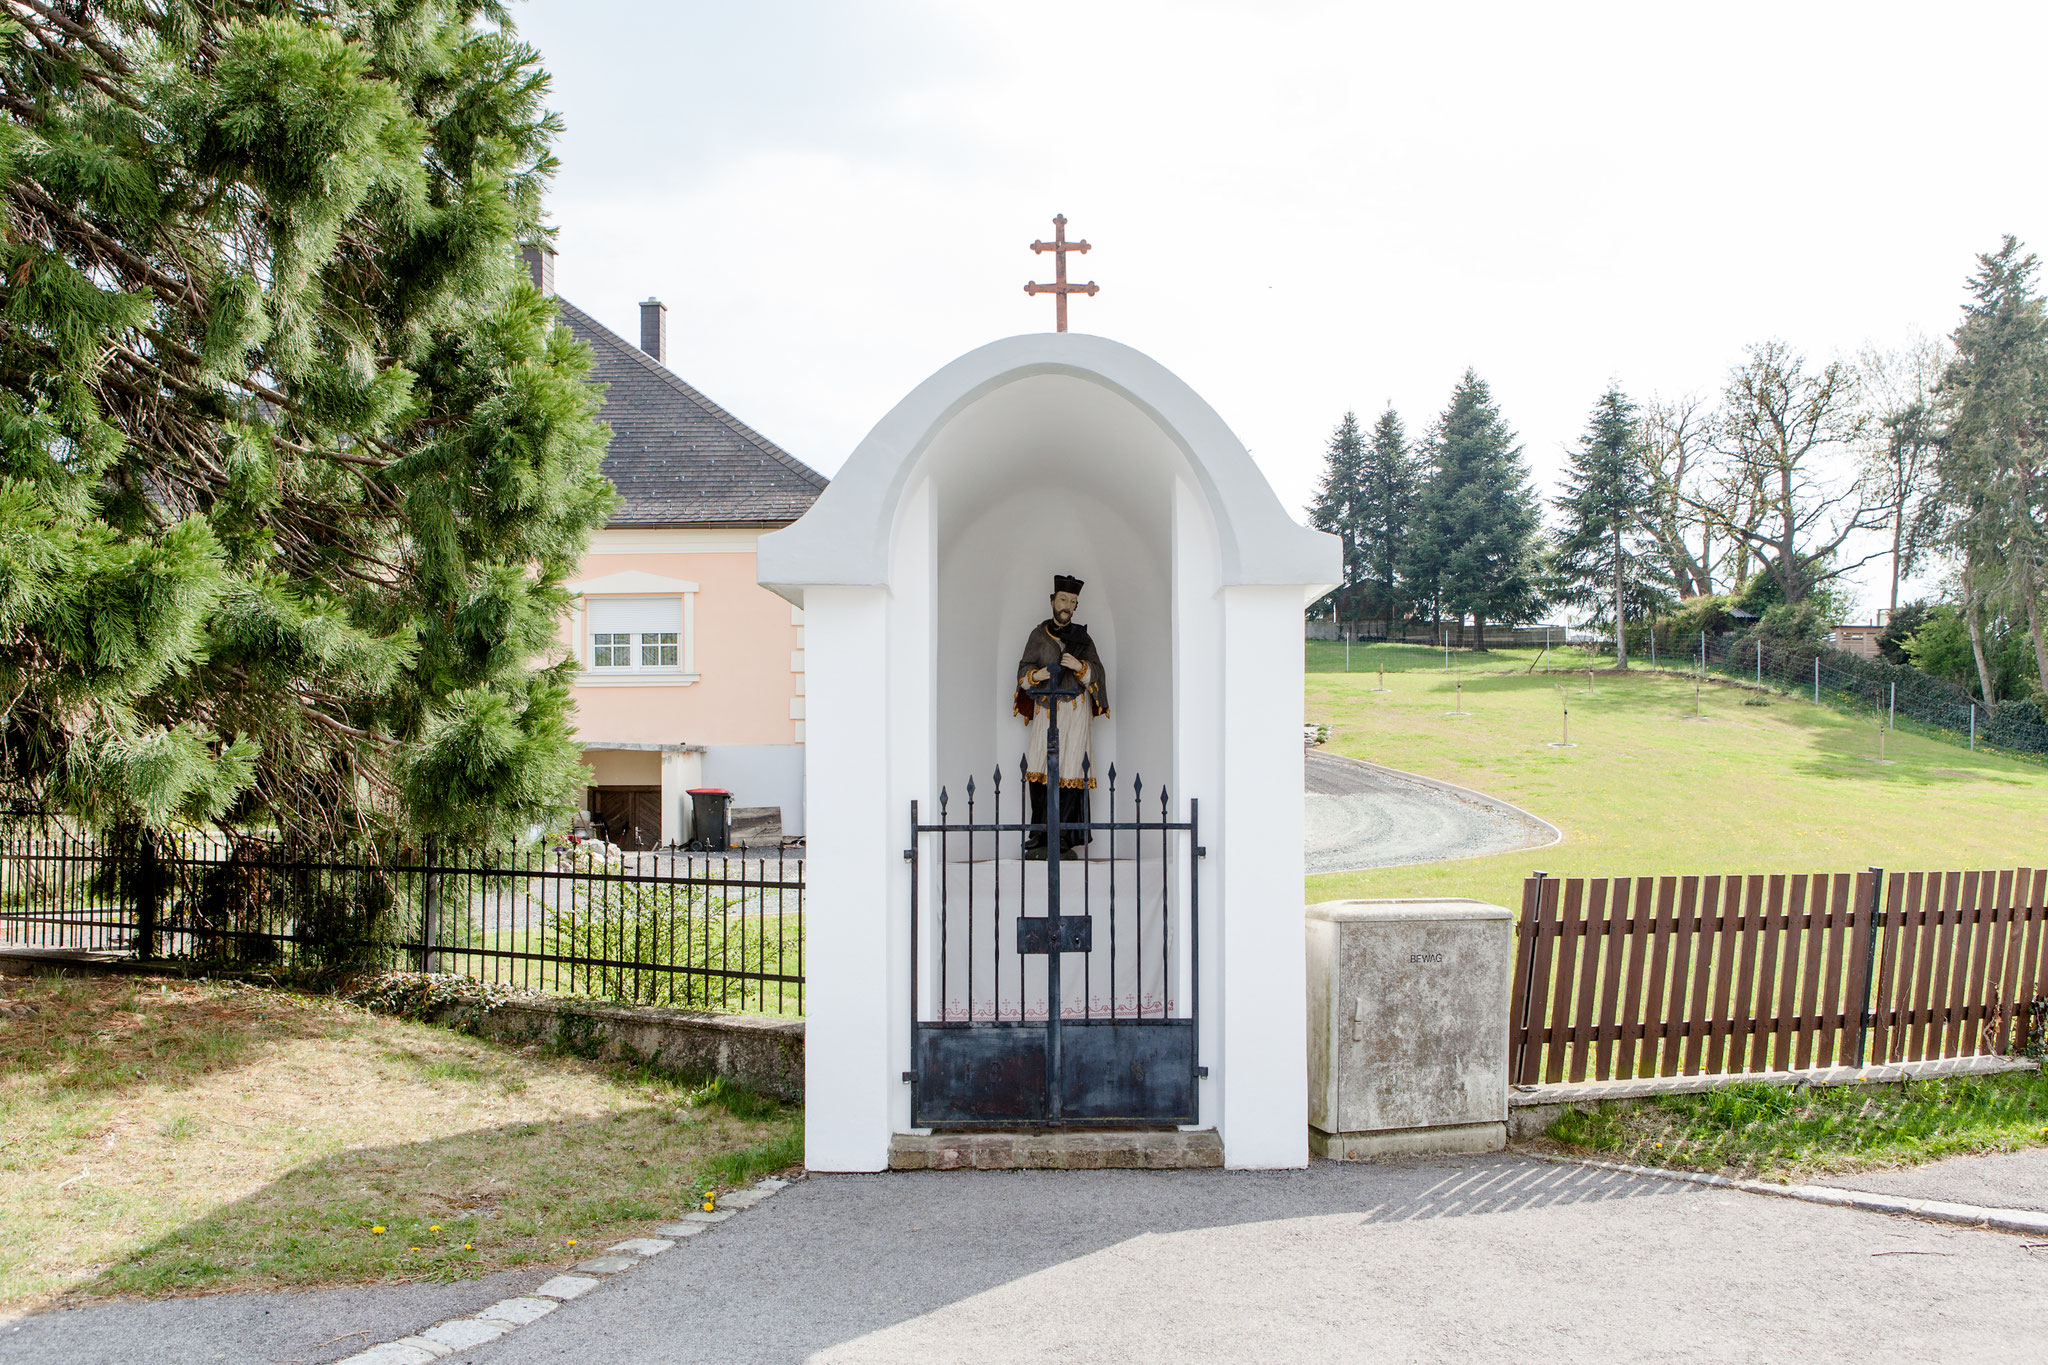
{"points": [[908, 854], [909, 1076], [1202, 1073], [1201, 850]]}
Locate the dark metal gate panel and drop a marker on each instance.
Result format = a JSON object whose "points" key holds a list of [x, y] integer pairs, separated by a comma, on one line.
{"points": [[1128, 1071], [991, 1051], [978, 1074]]}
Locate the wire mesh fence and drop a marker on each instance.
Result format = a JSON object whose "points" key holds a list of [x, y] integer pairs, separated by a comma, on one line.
{"points": [[663, 927], [1892, 694]]}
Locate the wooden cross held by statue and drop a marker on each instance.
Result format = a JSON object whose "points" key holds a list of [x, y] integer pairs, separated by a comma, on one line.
{"points": [[1059, 288]]}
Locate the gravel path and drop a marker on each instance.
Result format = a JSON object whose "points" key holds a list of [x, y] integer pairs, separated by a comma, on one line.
{"points": [[1360, 815]]}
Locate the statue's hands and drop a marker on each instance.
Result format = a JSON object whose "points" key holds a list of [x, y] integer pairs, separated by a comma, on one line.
{"points": [[1072, 664], [1037, 676]]}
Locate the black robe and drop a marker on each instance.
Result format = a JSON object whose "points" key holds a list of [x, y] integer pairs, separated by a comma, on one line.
{"points": [[1043, 650]]}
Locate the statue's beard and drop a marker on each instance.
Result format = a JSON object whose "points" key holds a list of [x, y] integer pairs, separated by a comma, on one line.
{"points": [[1060, 618]]}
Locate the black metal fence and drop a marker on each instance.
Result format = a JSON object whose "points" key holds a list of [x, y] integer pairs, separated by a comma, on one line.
{"points": [[664, 927]]}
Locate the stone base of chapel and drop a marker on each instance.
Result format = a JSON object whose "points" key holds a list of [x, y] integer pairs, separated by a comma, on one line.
{"points": [[1119, 1149]]}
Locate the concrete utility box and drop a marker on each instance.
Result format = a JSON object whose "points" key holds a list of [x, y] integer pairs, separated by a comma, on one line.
{"points": [[1407, 1027]]}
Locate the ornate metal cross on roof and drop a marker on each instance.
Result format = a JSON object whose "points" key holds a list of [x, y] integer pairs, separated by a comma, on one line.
{"points": [[1059, 288]]}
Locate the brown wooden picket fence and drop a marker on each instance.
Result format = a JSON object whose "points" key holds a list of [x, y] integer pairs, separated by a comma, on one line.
{"points": [[1626, 977]]}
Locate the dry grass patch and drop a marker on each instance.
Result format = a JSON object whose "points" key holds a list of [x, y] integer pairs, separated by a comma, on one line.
{"points": [[169, 1136]]}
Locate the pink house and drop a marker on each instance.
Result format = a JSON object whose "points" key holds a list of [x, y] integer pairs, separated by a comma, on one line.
{"points": [[692, 673]]}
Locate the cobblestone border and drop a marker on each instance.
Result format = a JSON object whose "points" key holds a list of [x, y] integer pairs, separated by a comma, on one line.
{"points": [[2023, 1221], [509, 1315]]}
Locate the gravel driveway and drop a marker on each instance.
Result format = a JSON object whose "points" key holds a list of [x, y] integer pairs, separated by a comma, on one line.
{"points": [[1360, 815]]}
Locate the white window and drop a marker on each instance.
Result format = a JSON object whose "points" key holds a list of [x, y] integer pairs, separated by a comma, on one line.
{"points": [[631, 635]]}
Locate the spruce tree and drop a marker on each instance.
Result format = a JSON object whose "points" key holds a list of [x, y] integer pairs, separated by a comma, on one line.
{"points": [[1338, 509], [1387, 504], [1476, 523], [293, 462], [1993, 466], [1603, 552]]}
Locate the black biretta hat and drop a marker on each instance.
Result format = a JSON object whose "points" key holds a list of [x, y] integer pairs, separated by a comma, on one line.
{"points": [[1062, 582]]}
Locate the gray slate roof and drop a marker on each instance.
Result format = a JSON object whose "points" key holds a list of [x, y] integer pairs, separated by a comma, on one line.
{"points": [[676, 457]]}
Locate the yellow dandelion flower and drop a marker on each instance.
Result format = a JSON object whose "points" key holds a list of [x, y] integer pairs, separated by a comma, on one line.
{"points": [[378, 1229], [467, 1247], [435, 1227]]}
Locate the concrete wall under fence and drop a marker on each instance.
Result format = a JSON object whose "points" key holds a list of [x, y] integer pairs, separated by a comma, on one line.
{"points": [[762, 1054]]}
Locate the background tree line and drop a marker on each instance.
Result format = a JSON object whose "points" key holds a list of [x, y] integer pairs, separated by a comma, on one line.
{"points": [[1757, 504]]}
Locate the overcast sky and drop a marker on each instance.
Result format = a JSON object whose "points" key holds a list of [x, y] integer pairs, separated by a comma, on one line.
{"points": [[1299, 208]]}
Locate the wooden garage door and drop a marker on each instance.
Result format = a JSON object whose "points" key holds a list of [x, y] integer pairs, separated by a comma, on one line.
{"points": [[629, 816]]}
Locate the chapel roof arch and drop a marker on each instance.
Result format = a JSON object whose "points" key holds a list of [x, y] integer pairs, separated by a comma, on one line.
{"points": [[845, 537]]}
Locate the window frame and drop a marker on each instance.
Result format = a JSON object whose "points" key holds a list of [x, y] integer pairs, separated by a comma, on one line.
{"points": [[630, 647]]}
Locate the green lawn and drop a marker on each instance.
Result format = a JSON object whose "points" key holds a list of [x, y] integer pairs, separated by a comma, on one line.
{"points": [[1781, 787], [1777, 1131]]}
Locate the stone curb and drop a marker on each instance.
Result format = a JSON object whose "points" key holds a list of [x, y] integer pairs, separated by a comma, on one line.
{"points": [[2022, 1221], [509, 1315]]}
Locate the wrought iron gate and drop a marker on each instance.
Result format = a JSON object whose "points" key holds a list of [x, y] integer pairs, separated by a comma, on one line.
{"points": [[990, 1051]]}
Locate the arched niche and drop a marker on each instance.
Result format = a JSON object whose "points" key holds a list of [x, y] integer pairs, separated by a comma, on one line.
{"points": [[1054, 474]]}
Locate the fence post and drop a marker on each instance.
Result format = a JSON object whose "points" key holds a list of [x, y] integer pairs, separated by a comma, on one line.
{"points": [[149, 894], [430, 907], [1874, 925], [1816, 680], [1895, 706], [1973, 727], [1525, 1017]]}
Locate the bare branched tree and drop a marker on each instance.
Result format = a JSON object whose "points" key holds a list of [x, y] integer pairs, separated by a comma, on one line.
{"points": [[1786, 439], [1898, 459], [1675, 444]]}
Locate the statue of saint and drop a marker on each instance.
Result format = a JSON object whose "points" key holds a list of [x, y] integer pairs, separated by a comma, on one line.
{"points": [[1059, 648]]}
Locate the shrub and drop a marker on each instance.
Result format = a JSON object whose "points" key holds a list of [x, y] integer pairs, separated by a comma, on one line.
{"points": [[621, 929]]}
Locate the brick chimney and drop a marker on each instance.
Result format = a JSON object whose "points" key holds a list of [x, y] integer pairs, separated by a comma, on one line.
{"points": [[654, 329], [539, 259]]}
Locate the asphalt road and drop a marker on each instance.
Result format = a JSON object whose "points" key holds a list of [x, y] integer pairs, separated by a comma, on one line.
{"points": [[1455, 1260], [1359, 815], [2002, 1180], [1498, 1258]]}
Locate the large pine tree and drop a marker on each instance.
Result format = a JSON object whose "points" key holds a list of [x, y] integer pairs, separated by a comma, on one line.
{"points": [[1339, 509], [1387, 503], [1604, 560], [293, 463], [1994, 462], [1474, 534]]}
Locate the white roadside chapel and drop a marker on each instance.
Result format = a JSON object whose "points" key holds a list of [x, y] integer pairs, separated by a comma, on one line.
{"points": [[920, 571]]}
